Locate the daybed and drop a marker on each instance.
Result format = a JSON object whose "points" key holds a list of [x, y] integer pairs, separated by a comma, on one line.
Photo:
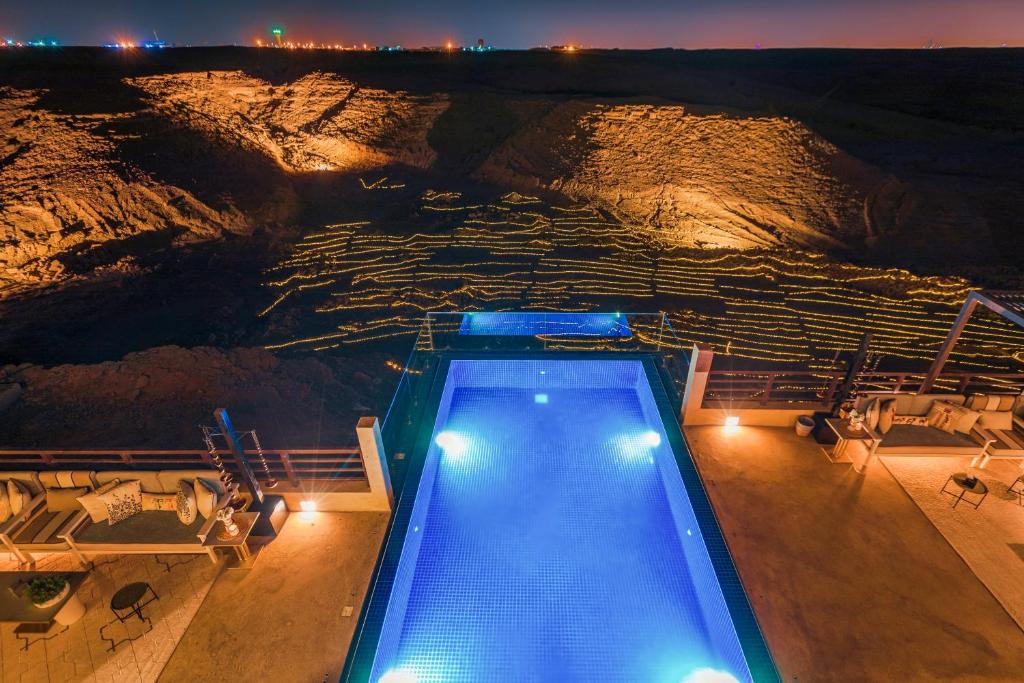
{"points": [[147, 532], [970, 434], [54, 519]]}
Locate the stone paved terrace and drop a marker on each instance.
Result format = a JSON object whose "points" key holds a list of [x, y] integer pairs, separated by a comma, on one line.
{"points": [[849, 579], [284, 620]]}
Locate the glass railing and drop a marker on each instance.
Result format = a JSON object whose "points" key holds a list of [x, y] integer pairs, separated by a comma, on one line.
{"points": [[518, 332]]}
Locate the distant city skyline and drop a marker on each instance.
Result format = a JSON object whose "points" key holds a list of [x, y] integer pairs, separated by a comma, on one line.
{"points": [[529, 23]]}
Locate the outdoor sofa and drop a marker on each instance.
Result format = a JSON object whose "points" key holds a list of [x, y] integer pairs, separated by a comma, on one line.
{"points": [[148, 532], [911, 435], [40, 529]]}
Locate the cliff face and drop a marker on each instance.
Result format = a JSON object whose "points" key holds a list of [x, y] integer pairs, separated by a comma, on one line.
{"points": [[266, 142], [319, 122], [696, 176], [63, 189]]}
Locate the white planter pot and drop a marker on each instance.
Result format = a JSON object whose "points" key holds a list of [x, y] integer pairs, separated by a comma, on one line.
{"points": [[55, 599], [72, 611]]}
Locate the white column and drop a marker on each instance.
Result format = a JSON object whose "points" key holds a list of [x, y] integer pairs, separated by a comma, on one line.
{"points": [[696, 383], [375, 464]]}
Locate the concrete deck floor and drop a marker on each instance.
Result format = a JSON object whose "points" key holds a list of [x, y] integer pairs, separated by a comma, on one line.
{"points": [[286, 619], [848, 578]]}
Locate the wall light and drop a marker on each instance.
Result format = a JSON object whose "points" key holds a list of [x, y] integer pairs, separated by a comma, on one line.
{"points": [[732, 421], [308, 510]]}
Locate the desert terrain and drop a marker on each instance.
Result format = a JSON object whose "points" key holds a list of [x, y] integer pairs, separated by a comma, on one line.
{"points": [[261, 229]]}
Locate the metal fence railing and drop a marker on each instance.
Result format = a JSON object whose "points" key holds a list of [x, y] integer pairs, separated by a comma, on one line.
{"points": [[772, 388], [295, 466]]}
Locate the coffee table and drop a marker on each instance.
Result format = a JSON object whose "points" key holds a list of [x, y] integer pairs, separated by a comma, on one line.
{"points": [[976, 487]]}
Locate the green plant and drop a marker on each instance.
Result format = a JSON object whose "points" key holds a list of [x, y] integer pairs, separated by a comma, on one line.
{"points": [[46, 588]]}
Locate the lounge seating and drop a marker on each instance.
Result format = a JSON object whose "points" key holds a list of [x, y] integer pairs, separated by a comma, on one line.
{"points": [[147, 532], [910, 435], [37, 528], [998, 432]]}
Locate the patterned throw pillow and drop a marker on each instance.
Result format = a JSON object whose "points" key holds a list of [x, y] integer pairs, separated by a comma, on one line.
{"points": [[17, 495], [185, 502], [916, 420], [874, 411], [123, 501], [159, 501], [92, 504], [950, 418]]}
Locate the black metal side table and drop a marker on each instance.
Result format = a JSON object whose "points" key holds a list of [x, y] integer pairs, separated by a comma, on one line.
{"points": [[130, 600], [966, 485], [1018, 487]]}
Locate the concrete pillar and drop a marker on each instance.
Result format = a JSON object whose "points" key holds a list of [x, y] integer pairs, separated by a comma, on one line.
{"points": [[696, 383], [375, 463]]}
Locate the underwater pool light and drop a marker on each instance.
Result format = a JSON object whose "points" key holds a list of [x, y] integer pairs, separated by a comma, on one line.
{"points": [[540, 398], [652, 439], [398, 676], [452, 443], [707, 675]]}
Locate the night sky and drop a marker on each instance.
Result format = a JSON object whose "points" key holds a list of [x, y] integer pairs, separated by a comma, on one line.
{"points": [[527, 23]]}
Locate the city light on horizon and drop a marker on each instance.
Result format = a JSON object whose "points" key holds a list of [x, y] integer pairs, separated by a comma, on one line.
{"points": [[570, 23]]}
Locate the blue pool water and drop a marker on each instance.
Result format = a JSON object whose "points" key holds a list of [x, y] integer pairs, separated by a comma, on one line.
{"points": [[556, 324], [552, 539]]}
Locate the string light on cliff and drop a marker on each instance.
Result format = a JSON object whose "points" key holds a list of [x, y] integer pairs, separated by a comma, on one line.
{"points": [[369, 285]]}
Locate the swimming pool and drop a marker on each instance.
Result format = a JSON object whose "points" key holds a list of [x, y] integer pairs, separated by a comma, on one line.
{"points": [[518, 324], [552, 538]]}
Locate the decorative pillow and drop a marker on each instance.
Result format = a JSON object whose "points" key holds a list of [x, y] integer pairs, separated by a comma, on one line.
{"points": [[873, 413], [965, 419], [17, 495], [123, 501], [886, 415], [916, 420], [64, 500], [159, 501], [979, 402], [993, 402], [207, 493], [941, 416], [5, 505], [92, 504], [185, 502], [996, 419]]}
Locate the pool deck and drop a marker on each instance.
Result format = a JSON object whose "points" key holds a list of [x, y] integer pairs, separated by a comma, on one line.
{"points": [[850, 581], [291, 617]]}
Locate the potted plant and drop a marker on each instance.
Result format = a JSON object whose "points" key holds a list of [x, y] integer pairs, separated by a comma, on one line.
{"points": [[47, 591]]}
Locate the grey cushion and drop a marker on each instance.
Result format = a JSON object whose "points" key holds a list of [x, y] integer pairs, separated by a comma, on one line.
{"points": [[145, 528], [42, 529], [917, 435]]}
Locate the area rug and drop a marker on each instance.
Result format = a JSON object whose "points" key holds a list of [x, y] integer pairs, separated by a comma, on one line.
{"points": [[990, 539]]}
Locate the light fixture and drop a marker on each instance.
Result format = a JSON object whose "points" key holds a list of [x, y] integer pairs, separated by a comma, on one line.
{"points": [[398, 676], [307, 505], [452, 443], [732, 421], [707, 675], [540, 398], [652, 439]]}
